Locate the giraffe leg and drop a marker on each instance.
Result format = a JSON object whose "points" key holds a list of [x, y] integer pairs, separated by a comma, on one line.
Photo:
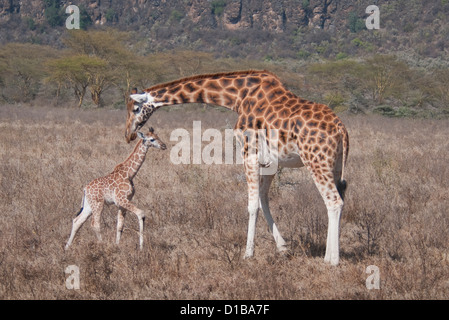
{"points": [[334, 205], [333, 233], [79, 221], [252, 177], [265, 182], [120, 222], [97, 208], [126, 205]]}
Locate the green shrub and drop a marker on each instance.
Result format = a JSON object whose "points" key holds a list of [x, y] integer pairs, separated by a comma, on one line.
{"points": [[85, 19], [341, 55], [385, 110], [175, 15], [303, 54], [218, 7], [30, 23], [111, 15], [355, 23], [53, 13]]}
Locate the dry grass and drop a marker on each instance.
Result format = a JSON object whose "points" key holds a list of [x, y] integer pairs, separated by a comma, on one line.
{"points": [[395, 217]]}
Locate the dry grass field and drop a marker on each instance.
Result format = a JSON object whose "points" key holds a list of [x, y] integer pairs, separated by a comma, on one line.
{"points": [[395, 217]]}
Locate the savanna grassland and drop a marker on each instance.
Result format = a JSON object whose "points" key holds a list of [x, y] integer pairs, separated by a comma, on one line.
{"points": [[395, 216]]}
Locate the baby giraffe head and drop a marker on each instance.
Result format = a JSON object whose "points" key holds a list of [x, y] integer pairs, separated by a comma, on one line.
{"points": [[150, 139]]}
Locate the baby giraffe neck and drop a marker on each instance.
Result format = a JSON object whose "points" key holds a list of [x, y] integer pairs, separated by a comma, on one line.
{"points": [[135, 160]]}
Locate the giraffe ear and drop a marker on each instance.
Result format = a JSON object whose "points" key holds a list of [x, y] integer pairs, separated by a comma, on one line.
{"points": [[139, 98], [140, 135]]}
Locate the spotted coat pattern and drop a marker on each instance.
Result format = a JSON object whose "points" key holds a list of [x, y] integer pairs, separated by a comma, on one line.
{"points": [[116, 188], [308, 134]]}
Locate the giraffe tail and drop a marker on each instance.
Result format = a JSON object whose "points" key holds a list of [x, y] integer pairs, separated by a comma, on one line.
{"points": [[341, 184]]}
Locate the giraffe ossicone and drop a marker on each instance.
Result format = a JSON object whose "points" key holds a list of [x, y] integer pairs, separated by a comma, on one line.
{"points": [[309, 134], [116, 188]]}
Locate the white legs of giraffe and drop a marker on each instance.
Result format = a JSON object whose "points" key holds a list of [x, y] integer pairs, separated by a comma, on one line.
{"points": [[79, 220], [265, 182], [96, 209], [124, 206], [334, 205], [332, 255], [120, 224], [258, 187]]}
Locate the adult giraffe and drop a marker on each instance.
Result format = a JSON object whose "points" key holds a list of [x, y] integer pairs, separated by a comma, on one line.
{"points": [[308, 134]]}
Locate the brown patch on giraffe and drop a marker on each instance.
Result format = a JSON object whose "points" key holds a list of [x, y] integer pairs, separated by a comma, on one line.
{"points": [[200, 97], [174, 89], [318, 116], [323, 126], [212, 85], [182, 98], [312, 124], [277, 123], [239, 82], [283, 136], [268, 111], [254, 91], [227, 99], [243, 93], [284, 113], [259, 123], [328, 118], [306, 115], [305, 106], [232, 90], [260, 107], [250, 121], [272, 117], [251, 81], [321, 138], [213, 98], [161, 92], [225, 82], [190, 87]]}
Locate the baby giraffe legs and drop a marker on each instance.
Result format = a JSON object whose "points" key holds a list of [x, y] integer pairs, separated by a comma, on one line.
{"points": [[96, 213], [124, 206]]}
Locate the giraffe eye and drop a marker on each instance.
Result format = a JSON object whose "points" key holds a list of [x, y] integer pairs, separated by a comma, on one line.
{"points": [[136, 109]]}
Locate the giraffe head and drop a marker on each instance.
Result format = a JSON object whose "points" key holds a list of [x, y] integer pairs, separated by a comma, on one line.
{"points": [[140, 107], [150, 139]]}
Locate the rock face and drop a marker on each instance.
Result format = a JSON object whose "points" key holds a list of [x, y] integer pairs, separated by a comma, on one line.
{"points": [[273, 16]]}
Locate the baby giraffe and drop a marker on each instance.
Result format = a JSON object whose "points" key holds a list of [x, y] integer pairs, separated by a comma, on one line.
{"points": [[117, 187]]}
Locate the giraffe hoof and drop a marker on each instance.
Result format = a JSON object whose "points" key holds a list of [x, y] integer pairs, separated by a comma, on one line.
{"points": [[248, 256], [332, 262]]}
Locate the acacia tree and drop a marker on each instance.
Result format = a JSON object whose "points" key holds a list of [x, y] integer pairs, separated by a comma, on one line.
{"points": [[384, 75], [75, 71], [23, 69], [107, 59]]}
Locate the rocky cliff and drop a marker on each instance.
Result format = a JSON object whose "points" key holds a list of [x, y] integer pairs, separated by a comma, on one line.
{"points": [[276, 16], [300, 28]]}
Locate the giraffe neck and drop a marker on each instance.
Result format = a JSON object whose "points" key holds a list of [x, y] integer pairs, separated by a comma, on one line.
{"points": [[132, 164], [223, 89]]}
